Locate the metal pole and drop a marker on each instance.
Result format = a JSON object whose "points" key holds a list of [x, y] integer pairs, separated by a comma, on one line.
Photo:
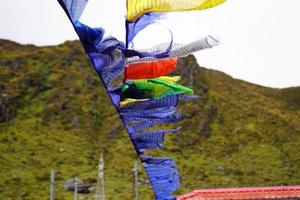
{"points": [[52, 182], [75, 189], [136, 180]]}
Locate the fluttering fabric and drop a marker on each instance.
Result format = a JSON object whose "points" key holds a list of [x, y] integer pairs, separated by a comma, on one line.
{"points": [[73, 8], [146, 97], [136, 8], [142, 13], [144, 70], [153, 88], [177, 50], [133, 28]]}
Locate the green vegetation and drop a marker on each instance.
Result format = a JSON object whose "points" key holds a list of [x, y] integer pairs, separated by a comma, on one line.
{"points": [[54, 113]]}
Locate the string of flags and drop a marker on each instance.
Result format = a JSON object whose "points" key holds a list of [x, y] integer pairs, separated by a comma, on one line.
{"points": [[136, 81]]}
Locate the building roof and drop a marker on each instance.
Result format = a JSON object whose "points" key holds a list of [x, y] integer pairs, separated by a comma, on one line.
{"points": [[253, 193]]}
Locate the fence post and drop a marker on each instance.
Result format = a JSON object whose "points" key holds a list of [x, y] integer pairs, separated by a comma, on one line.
{"points": [[75, 188], [52, 182], [100, 192], [136, 171]]}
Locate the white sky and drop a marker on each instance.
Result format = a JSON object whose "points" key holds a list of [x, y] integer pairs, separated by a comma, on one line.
{"points": [[260, 40]]}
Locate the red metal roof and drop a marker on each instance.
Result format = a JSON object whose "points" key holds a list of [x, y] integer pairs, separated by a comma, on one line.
{"points": [[280, 192]]}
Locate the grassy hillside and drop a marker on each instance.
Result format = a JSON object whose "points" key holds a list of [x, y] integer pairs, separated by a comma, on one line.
{"points": [[55, 114]]}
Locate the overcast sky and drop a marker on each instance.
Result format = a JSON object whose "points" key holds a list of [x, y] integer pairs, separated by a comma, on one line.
{"points": [[260, 40]]}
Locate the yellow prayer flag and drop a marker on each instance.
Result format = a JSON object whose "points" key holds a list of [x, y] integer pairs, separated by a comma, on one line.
{"points": [[129, 100], [170, 79], [136, 8]]}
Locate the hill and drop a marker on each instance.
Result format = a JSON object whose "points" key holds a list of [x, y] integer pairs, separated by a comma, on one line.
{"points": [[54, 113]]}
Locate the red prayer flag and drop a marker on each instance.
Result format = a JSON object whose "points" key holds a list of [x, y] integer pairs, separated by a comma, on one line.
{"points": [[145, 70]]}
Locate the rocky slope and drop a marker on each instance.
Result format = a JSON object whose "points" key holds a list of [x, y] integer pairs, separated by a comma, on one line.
{"points": [[55, 114]]}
